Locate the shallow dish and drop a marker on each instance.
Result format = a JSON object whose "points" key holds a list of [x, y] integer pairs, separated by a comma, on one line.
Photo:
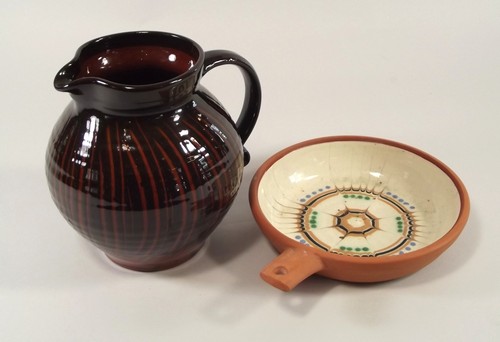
{"points": [[356, 209]]}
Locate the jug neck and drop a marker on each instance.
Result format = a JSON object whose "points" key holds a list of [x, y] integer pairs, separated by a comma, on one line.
{"points": [[133, 73]]}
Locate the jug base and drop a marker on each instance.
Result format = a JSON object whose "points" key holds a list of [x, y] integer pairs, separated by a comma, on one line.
{"points": [[157, 264]]}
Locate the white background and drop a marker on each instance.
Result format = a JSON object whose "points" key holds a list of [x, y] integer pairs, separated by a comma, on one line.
{"points": [[425, 73]]}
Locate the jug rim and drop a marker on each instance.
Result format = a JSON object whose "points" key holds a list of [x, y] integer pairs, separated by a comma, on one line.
{"points": [[66, 79]]}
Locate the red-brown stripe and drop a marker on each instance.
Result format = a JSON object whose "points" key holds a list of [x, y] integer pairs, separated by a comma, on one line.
{"points": [[90, 167], [185, 170], [143, 199], [122, 202], [62, 175], [102, 210], [152, 184], [71, 193], [163, 207], [64, 163], [169, 213], [112, 182], [212, 152]]}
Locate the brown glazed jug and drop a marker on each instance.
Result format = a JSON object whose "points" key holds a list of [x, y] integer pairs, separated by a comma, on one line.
{"points": [[145, 162]]}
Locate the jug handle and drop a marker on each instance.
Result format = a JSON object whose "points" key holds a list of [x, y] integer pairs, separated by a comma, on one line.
{"points": [[251, 104]]}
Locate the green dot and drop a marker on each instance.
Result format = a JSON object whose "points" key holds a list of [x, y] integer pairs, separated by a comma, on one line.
{"points": [[360, 196], [349, 248], [357, 249], [342, 248], [367, 198], [366, 249], [400, 230], [352, 196], [312, 221], [313, 226], [398, 218], [315, 213], [346, 196]]}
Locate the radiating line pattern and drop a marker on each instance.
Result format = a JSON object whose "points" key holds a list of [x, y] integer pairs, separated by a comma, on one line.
{"points": [[359, 199], [146, 191], [356, 222]]}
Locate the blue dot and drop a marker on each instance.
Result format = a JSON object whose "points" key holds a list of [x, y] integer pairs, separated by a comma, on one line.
{"points": [[389, 193], [394, 196], [401, 252], [302, 200], [413, 244], [297, 237], [327, 187], [408, 248], [320, 190], [401, 200], [302, 241], [412, 207], [308, 196], [314, 192], [406, 203]]}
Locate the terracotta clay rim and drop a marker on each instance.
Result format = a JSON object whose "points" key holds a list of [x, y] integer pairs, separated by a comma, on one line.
{"points": [[437, 246]]}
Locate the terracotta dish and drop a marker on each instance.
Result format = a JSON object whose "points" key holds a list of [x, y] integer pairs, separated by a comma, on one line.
{"points": [[356, 209]]}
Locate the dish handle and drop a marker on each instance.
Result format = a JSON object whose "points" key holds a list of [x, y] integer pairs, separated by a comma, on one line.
{"points": [[290, 268]]}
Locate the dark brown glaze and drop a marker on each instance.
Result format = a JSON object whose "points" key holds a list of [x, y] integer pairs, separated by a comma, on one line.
{"points": [[146, 169]]}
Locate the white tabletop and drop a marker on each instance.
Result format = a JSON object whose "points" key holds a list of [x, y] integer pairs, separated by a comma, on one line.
{"points": [[425, 73]]}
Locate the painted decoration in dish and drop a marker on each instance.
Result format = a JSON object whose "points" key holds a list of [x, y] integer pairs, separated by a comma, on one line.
{"points": [[359, 199]]}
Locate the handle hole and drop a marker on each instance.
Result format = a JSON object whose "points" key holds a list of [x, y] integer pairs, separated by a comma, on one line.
{"points": [[280, 270], [226, 84]]}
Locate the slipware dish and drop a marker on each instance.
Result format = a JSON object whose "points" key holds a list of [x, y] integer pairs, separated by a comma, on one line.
{"points": [[357, 209]]}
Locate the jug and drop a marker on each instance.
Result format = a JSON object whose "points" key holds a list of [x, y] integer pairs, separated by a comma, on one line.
{"points": [[145, 162]]}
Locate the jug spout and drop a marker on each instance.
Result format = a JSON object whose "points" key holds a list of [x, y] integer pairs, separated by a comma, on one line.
{"points": [[140, 71], [65, 77]]}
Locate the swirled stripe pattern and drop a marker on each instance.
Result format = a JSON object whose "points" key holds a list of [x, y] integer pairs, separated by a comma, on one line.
{"points": [[146, 189]]}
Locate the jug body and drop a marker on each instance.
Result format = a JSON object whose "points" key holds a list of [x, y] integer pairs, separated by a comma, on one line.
{"points": [[145, 162]]}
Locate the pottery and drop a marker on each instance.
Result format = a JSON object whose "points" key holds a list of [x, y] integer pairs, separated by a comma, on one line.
{"points": [[355, 209], [145, 162]]}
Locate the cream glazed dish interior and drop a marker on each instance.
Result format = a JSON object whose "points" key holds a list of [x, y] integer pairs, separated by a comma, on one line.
{"points": [[361, 198]]}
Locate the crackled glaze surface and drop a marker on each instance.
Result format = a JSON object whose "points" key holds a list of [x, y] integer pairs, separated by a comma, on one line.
{"points": [[359, 198]]}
